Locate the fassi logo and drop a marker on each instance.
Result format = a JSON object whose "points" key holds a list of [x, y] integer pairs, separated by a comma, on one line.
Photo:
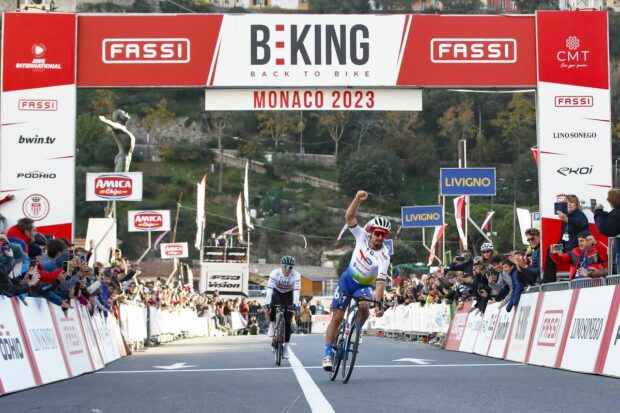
{"points": [[49, 105], [481, 50], [148, 220], [574, 101], [145, 51], [575, 170], [113, 186], [310, 44], [550, 327], [173, 250]]}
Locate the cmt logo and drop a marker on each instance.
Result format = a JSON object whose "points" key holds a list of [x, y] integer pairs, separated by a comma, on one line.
{"points": [[145, 51], [309, 44], [572, 57], [550, 328], [113, 186], [455, 50], [574, 101], [148, 220], [577, 170], [43, 105]]}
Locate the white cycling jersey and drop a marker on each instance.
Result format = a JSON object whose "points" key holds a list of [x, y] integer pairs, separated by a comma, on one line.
{"points": [[367, 265], [284, 284]]}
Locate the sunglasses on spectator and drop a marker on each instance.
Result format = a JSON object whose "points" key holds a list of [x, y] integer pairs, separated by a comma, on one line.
{"points": [[531, 238], [484, 252], [287, 267], [380, 234]]}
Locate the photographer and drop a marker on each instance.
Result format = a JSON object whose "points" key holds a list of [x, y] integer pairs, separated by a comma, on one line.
{"points": [[529, 270], [499, 283], [574, 221], [463, 262], [509, 269], [587, 260], [608, 223]]}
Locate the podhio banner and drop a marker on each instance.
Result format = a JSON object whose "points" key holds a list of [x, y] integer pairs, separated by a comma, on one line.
{"points": [[574, 118], [144, 221], [271, 50], [114, 187], [37, 138], [174, 250]]}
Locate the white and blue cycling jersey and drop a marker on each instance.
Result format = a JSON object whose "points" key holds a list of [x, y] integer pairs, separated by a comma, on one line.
{"points": [[367, 265]]}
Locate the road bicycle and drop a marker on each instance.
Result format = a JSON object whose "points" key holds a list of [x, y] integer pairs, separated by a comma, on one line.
{"points": [[346, 343], [279, 333]]}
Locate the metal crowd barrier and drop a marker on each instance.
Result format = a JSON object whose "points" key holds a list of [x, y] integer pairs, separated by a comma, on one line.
{"points": [[574, 284]]}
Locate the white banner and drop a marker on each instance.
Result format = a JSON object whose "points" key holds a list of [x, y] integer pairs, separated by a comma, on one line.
{"points": [[37, 322], [145, 221], [586, 329], [73, 340], [288, 51], [483, 341], [314, 99], [15, 370], [231, 278], [174, 250], [501, 333], [472, 328], [552, 320], [523, 328], [114, 186]]}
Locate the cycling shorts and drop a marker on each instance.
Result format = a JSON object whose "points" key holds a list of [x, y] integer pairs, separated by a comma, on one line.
{"points": [[347, 285]]}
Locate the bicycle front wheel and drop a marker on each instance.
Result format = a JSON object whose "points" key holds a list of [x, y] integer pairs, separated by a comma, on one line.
{"points": [[351, 351]]}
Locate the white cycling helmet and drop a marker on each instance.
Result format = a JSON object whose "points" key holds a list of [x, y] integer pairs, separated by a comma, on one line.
{"points": [[381, 222], [487, 246]]}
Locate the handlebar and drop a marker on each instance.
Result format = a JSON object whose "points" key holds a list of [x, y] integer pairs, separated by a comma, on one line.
{"points": [[362, 298]]}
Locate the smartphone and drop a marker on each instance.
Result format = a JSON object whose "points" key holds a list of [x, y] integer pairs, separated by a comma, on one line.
{"points": [[561, 206], [65, 266], [96, 270], [6, 247], [592, 204], [557, 247]]}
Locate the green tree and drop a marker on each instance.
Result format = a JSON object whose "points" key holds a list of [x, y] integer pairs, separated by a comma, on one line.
{"points": [[334, 123], [274, 125], [142, 6], [339, 6], [460, 6], [251, 149], [377, 171], [518, 127], [217, 123], [457, 123], [157, 119], [95, 145], [402, 136], [530, 6], [185, 151], [104, 102]]}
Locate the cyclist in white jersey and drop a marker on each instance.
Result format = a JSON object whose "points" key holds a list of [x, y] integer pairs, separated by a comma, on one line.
{"points": [[368, 267], [283, 288]]}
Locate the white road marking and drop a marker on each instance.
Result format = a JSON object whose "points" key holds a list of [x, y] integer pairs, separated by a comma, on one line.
{"points": [[385, 366], [175, 366], [416, 361], [318, 403]]}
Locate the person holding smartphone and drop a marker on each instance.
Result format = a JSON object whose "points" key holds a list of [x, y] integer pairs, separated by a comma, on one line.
{"points": [[587, 260], [608, 223], [574, 221]]}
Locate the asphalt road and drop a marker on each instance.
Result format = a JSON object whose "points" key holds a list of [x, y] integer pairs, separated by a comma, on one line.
{"points": [[238, 374]]}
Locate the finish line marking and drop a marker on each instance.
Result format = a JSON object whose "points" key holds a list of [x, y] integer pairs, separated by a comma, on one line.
{"points": [[397, 366]]}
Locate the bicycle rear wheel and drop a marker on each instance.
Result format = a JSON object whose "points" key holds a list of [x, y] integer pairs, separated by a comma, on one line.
{"points": [[351, 351], [338, 343]]}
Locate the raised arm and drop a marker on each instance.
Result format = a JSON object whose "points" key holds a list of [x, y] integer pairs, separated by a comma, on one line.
{"points": [[352, 210]]}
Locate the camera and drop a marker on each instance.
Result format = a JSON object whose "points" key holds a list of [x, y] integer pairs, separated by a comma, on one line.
{"points": [[592, 204], [459, 259], [557, 247]]}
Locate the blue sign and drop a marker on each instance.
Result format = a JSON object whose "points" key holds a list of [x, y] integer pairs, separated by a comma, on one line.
{"points": [[467, 181], [390, 245], [422, 216]]}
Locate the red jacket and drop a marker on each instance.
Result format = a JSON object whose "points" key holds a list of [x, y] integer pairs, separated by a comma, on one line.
{"points": [[596, 258], [15, 232], [48, 277]]}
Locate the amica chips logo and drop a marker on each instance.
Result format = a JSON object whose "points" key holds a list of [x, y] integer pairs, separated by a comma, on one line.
{"points": [[113, 186], [148, 220], [573, 56]]}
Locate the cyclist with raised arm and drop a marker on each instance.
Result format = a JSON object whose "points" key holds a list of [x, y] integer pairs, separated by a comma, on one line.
{"points": [[283, 289], [368, 267]]}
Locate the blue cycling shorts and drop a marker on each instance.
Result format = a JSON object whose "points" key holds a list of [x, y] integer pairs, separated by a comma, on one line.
{"points": [[347, 285]]}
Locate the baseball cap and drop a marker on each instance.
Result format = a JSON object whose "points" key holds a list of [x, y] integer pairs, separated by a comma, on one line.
{"points": [[34, 250], [18, 253], [477, 259]]}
